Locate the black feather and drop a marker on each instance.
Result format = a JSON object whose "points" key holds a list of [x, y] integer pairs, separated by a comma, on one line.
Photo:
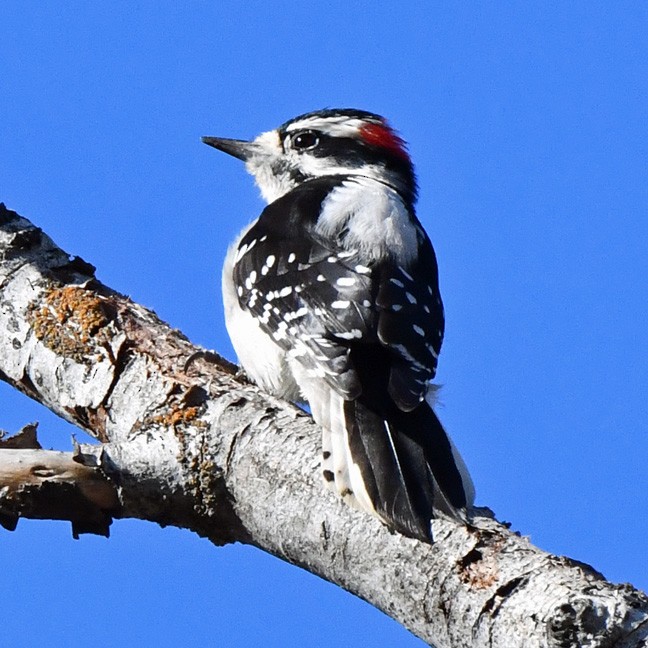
{"points": [[406, 454]]}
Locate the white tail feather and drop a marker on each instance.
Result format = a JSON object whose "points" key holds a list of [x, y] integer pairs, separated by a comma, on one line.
{"points": [[327, 408]]}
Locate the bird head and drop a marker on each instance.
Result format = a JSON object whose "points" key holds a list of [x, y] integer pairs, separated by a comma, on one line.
{"points": [[331, 142]]}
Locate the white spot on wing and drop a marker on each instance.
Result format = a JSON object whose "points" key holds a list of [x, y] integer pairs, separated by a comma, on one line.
{"points": [[244, 249], [430, 348], [353, 334], [280, 333], [296, 314]]}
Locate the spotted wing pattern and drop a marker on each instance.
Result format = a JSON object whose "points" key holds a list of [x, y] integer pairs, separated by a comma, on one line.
{"points": [[411, 324], [314, 302], [319, 303]]}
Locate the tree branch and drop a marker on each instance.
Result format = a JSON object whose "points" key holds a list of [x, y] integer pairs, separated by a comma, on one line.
{"points": [[183, 441], [50, 485]]}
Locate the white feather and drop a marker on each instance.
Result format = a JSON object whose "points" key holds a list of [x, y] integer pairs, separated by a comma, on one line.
{"points": [[327, 408], [374, 220]]}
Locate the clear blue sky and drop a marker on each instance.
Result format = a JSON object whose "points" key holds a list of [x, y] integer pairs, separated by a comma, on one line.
{"points": [[527, 123]]}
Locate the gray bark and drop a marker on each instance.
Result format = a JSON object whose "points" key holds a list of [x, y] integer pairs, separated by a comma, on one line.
{"points": [[184, 441]]}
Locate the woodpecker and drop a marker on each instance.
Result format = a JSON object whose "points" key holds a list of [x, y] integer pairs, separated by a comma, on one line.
{"points": [[331, 297]]}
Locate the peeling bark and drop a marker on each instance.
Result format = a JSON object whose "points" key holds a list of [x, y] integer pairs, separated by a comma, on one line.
{"points": [[184, 441]]}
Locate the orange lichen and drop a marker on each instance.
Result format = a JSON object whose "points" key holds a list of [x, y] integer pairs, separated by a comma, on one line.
{"points": [[177, 416], [72, 322]]}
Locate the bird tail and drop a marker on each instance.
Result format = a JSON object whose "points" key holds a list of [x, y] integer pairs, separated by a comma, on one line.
{"points": [[399, 466]]}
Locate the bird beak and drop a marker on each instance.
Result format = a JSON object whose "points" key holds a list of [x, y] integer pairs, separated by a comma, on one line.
{"points": [[238, 148]]}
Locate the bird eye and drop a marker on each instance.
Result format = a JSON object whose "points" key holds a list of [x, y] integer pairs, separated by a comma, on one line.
{"points": [[305, 140]]}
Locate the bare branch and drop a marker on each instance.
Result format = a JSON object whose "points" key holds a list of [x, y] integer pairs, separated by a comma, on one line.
{"points": [[45, 484], [184, 442]]}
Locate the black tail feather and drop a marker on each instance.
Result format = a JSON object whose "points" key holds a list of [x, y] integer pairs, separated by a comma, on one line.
{"points": [[407, 466]]}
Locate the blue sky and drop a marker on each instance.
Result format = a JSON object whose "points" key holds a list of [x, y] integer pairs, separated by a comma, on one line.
{"points": [[527, 124]]}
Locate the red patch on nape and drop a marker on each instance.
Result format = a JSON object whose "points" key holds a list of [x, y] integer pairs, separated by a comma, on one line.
{"points": [[382, 136]]}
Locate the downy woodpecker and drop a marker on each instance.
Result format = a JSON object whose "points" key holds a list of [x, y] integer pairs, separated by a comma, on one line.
{"points": [[331, 296]]}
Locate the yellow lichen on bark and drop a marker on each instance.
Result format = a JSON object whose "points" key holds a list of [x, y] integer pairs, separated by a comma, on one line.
{"points": [[72, 322]]}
